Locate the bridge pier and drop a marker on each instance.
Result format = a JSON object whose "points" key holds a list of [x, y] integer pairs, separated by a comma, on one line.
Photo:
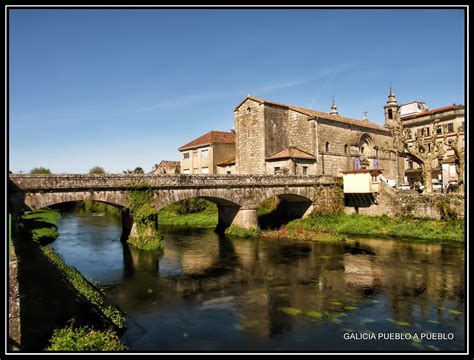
{"points": [[127, 224], [246, 218], [235, 216]]}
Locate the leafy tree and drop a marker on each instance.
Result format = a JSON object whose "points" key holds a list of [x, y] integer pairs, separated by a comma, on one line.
{"points": [[40, 170], [97, 170], [137, 170]]}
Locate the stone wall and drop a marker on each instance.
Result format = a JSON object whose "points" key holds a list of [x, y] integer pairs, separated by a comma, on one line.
{"points": [[265, 128], [127, 181], [250, 142], [396, 204], [344, 141], [276, 132]]}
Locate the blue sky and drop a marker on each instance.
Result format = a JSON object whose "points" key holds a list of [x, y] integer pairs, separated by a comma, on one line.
{"points": [[125, 88]]}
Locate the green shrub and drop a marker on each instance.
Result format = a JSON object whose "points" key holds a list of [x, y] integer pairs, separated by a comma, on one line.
{"points": [[145, 217], [40, 171], [85, 339]]}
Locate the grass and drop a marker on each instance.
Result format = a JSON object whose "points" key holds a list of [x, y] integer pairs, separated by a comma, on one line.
{"points": [[85, 339], [86, 289], [354, 224], [41, 224], [206, 218], [241, 232], [45, 215]]}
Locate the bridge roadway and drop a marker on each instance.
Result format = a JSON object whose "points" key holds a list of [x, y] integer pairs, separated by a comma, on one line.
{"points": [[236, 196]]}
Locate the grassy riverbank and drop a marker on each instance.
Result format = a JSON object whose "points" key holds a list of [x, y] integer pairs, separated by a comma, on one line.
{"points": [[41, 224], [323, 227], [333, 227], [203, 216], [86, 289]]}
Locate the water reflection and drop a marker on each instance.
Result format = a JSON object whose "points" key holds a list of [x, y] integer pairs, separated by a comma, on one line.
{"points": [[213, 292]]}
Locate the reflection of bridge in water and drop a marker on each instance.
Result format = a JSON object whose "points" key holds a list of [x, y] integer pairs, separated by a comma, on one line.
{"points": [[237, 196], [251, 278]]}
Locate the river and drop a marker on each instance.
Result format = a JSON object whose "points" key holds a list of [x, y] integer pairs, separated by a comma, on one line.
{"points": [[209, 292]]}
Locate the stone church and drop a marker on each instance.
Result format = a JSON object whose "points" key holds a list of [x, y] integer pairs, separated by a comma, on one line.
{"points": [[275, 138]]}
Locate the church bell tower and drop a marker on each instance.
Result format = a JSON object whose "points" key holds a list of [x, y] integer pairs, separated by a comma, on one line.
{"points": [[391, 110]]}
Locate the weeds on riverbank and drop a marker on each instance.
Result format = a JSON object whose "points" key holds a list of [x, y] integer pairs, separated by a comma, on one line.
{"points": [[86, 289], [85, 339]]}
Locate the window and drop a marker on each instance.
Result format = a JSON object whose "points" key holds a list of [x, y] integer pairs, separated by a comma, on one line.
{"points": [[390, 114], [450, 127], [305, 170], [327, 146], [439, 130], [346, 148], [185, 171], [427, 131], [357, 163], [228, 172], [410, 164], [204, 153], [186, 156], [205, 170], [276, 169]]}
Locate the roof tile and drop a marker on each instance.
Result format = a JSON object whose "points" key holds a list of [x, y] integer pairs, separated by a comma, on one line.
{"points": [[212, 137]]}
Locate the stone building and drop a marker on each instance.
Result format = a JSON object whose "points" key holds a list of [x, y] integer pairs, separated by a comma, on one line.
{"points": [[202, 155], [278, 138], [166, 167], [419, 119]]}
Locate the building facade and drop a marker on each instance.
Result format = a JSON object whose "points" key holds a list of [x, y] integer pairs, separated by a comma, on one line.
{"points": [[202, 155], [446, 122], [277, 138]]}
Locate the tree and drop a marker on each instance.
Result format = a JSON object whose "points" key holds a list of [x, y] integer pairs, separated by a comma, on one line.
{"points": [[457, 145], [40, 170], [422, 150], [137, 170], [97, 170]]}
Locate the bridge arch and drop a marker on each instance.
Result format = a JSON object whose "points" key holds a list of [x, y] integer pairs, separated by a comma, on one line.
{"points": [[289, 206], [218, 197], [45, 199]]}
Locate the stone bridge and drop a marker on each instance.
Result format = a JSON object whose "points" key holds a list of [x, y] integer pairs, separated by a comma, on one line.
{"points": [[236, 196]]}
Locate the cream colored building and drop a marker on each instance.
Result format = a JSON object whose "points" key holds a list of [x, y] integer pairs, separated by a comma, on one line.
{"points": [[202, 155], [419, 119]]}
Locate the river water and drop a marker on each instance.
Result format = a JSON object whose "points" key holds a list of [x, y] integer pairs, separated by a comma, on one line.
{"points": [[208, 292]]}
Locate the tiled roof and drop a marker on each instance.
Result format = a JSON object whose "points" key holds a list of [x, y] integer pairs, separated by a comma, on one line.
{"points": [[291, 153], [318, 114], [227, 162], [435, 111], [212, 137], [168, 163]]}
